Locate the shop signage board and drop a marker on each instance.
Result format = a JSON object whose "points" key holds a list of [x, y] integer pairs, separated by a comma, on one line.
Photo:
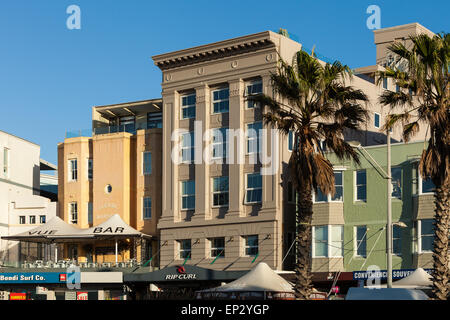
{"points": [[382, 274], [32, 277], [17, 296]]}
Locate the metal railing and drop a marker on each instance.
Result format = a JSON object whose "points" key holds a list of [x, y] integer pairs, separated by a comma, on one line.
{"points": [[79, 133], [130, 128], [64, 264]]}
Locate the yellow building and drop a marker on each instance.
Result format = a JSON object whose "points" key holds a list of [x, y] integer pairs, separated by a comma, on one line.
{"points": [[116, 171]]}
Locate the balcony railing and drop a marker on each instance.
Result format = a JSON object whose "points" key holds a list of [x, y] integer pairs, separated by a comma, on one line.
{"points": [[130, 128], [79, 133]]}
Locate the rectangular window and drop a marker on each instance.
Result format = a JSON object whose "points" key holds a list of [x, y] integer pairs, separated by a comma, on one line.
{"points": [[426, 235], [396, 174], [187, 147], [361, 241], [32, 219], [361, 185], [73, 170], [147, 208], [217, 247], [90, 213], [328, 241], [42, 219], [147, 163], [220, 100], [253, 88], [253, 189], [290, 140], [321, 241], [188, 106], [6, 163], [338, 186], [188, 195], [22, 220], [337, 241], [385, 83], [320, 197], [184, 249], [291, 193], [251, 245], [154, 120], [90, 166], [253, 137], [220, 191], [376, 120], [219, 143], [396, 240], [427, 185], [420, 185], [127, 124], [73, 213], [339, 190]]}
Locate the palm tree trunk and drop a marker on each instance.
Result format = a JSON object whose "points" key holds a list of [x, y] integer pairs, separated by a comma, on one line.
{"points": [[440, 252], [303, 283]]}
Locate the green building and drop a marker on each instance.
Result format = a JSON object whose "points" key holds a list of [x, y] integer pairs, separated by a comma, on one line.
{"points": [[349, 229]]}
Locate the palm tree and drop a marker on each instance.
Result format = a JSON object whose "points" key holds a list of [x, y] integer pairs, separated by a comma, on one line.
{"points": [[423, 100], [312, 101]]}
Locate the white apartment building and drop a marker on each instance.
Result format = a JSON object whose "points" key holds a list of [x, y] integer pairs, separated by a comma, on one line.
{"points": [[21, 206]]}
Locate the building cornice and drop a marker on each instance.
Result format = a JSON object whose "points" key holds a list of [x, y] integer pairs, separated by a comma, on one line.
{"points": [[215, 50]]}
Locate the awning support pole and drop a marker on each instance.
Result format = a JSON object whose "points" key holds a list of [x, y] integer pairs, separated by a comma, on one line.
{"points": [[56, 252], [116, 251]]}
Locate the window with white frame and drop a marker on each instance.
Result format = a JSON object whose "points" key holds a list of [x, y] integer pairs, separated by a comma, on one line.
{"points": [[90, 213], [420, 185], [147, 208], [328, 241], [251, 247], [22, 220], [73, 212], [188, 106], [396, 240], [396, 174], [376, 120], [147, 162], [217, 247], [426, 235], [220, 191], [184, 249], [253, 88], [188, 195], [253, 137], [42, 219], [187, 147], [385, 83], [220, 100], [253, 189], [219, 143], [90, 166], [6, 163], [73, 170], [32, 219], [339, 190], [361, 241], [360, 185]]}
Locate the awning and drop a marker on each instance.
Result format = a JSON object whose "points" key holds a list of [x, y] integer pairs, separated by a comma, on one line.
{"points": [[57, 230], [55, 227]]}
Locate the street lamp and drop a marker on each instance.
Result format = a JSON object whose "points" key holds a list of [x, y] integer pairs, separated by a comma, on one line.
{"points": [[357, 145]]}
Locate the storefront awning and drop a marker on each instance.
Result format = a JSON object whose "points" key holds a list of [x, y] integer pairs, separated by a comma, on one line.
{"points": [[57, 230]]}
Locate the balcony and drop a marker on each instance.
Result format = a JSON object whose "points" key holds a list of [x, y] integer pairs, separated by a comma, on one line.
{"points": [[130, 128]]}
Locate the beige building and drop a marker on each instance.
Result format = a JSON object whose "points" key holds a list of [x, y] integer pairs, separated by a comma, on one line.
{"points": [[116, 171], [226, 215]]}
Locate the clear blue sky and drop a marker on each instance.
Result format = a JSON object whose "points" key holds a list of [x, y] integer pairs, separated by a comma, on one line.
{"points": [[51, 76]]}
